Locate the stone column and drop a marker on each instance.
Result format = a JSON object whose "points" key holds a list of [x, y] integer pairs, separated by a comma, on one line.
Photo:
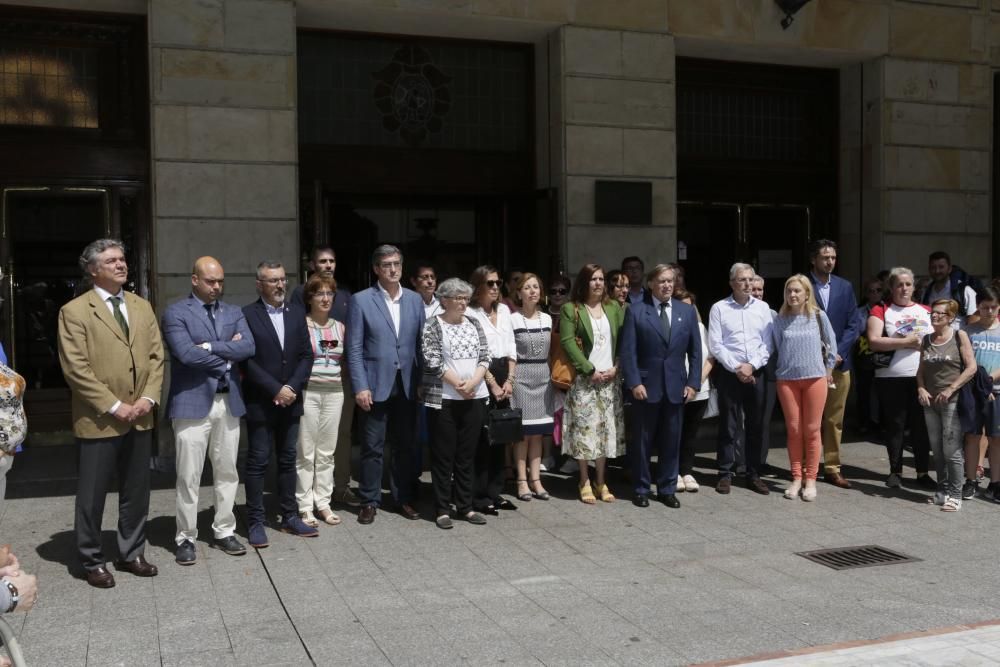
{"points": [[224, 145], [927, 140], [612, 117]]}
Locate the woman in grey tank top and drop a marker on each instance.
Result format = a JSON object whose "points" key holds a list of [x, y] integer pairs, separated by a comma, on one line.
{"points": [[946, 363]]}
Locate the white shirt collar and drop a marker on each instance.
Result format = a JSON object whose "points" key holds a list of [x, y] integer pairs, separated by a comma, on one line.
{"points": [[105, 294], [272, 310], [829, 279], [386, 295]]}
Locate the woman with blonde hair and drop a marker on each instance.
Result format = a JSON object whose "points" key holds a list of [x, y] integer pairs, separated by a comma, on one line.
{"points": [[807, 352]]}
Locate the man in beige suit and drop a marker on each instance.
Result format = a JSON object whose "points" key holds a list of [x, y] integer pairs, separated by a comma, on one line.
{"points": [[112, 357]]}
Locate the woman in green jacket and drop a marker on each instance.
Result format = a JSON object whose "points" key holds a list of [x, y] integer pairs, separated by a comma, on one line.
{"points": [[593, 422]]}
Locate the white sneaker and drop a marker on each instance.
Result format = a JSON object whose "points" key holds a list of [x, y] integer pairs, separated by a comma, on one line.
{"points": [[681, 485], [691, 483]]}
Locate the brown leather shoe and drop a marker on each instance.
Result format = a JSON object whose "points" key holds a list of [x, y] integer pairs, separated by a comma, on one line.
{"points": [[409, 512], [757, 485], [140, 567], [724, 485], [367, 514], [837, 480], [99, 577]]}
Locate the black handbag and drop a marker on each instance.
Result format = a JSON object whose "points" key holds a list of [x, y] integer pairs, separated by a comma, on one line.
{"points": [[503, 426], [882, 359]]}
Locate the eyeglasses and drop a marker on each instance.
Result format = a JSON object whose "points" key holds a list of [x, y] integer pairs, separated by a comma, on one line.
{"points": [[273, 281], [558, 291], [390, 265], [458, 299], [325, 293], [494, 283]]}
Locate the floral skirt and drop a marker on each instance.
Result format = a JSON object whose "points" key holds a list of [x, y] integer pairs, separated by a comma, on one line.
{"points": [[593, 423]]}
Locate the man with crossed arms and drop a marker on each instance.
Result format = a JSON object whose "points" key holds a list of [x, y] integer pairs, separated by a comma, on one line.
{"points": [[206, 338]]}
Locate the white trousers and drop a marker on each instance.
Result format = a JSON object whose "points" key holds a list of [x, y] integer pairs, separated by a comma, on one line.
{"points": [[318, 430], [219, 436]]}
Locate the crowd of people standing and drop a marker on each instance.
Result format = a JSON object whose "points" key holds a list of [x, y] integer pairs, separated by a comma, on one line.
{"points": [[487, 375]]}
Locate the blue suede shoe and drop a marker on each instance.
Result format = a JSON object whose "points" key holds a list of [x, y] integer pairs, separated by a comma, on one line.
{"points": [[257, 536], [293, 525]]}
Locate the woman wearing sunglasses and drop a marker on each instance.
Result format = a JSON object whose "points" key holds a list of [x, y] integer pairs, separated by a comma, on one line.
{"points": [[323, 402], [494, 317]]}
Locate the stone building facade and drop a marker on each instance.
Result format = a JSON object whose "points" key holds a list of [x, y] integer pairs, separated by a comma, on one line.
{"points": [[914, 132]]}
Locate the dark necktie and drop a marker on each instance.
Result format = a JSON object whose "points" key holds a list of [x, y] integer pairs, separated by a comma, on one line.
{"points": [[116, 302], [665, 318], [224, 380], [210, 309]]}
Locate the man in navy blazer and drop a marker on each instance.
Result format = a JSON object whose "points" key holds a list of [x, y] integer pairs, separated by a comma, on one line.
{"points": [[836, 297], [384, 326], [275, 376], [206, 338], [660, 342]]}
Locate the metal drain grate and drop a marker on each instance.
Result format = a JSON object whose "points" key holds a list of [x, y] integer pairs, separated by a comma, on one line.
{"points": [[849, 558]]}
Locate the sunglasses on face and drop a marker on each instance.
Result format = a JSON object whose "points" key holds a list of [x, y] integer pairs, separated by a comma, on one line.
{"points": [[558, 291], [493, 283]]}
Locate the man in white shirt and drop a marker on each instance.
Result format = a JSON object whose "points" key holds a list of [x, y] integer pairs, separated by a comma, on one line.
{"points": [[739, 337], [423, 279]]}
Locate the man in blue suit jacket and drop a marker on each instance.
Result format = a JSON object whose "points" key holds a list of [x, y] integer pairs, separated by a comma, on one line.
{"points": [[836, 297], [275, 376], [660, 342], [384, 326], [206, 338]]}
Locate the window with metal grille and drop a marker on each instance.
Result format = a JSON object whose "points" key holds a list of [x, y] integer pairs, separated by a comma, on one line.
{"points": [[747, 124], [49, 86]]}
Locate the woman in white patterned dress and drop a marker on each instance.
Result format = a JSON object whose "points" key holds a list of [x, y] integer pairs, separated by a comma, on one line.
{"points": [[533, 392]]}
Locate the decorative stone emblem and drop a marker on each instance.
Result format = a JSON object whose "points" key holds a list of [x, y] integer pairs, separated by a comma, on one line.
{"points": [[412, 94]]}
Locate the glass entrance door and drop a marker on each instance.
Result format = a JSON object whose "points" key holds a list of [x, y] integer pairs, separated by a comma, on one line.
{"points": [[43, 232]]}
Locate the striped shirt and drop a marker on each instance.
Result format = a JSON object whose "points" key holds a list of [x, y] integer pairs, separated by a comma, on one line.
{"points": [[327, 343]]}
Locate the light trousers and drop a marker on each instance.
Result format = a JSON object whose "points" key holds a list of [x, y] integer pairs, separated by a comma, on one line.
{"points": [[218, 435], [802, 402], [833, 420], [314, 456]]}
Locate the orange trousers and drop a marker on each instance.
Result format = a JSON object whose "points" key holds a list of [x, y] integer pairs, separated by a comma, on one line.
{"points": [[802, 402]]}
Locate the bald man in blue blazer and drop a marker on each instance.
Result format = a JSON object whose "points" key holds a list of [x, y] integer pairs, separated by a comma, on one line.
{"points": [[660, 342]]}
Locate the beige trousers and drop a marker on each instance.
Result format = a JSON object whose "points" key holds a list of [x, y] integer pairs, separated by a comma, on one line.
{"points": [[314, 457], [833, 420], [218, 435]]}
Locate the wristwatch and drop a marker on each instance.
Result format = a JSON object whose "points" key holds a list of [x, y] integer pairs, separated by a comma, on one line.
{"points": [[14, 595]]}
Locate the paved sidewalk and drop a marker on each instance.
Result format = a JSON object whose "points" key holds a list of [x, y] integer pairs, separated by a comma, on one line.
{"points": [[948, 646], [555, 583]]}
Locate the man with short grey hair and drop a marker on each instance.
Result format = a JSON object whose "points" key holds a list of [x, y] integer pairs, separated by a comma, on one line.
{"points": [[384, 325], [112, 358], [739, 337]]}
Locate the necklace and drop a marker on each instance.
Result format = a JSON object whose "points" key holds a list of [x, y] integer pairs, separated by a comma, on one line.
{"points": [[533, 336]]}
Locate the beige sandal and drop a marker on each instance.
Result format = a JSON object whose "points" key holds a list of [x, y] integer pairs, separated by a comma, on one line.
{"points": [[587, 494], [308, 519], [605, 494], [329, 517]]}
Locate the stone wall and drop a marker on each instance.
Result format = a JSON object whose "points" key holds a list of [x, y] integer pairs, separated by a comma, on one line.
{"points": [[224, 142], [613, 117]]}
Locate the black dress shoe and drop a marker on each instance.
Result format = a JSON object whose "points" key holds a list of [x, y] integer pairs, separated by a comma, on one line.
{"points": [[229, 545], [757, 485], [641, 501], [489, 509], [185, 554], [99, 577], [140, 567], [367, 514], [668, 499], [724, 485], [408, 512], [504, 504]]}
